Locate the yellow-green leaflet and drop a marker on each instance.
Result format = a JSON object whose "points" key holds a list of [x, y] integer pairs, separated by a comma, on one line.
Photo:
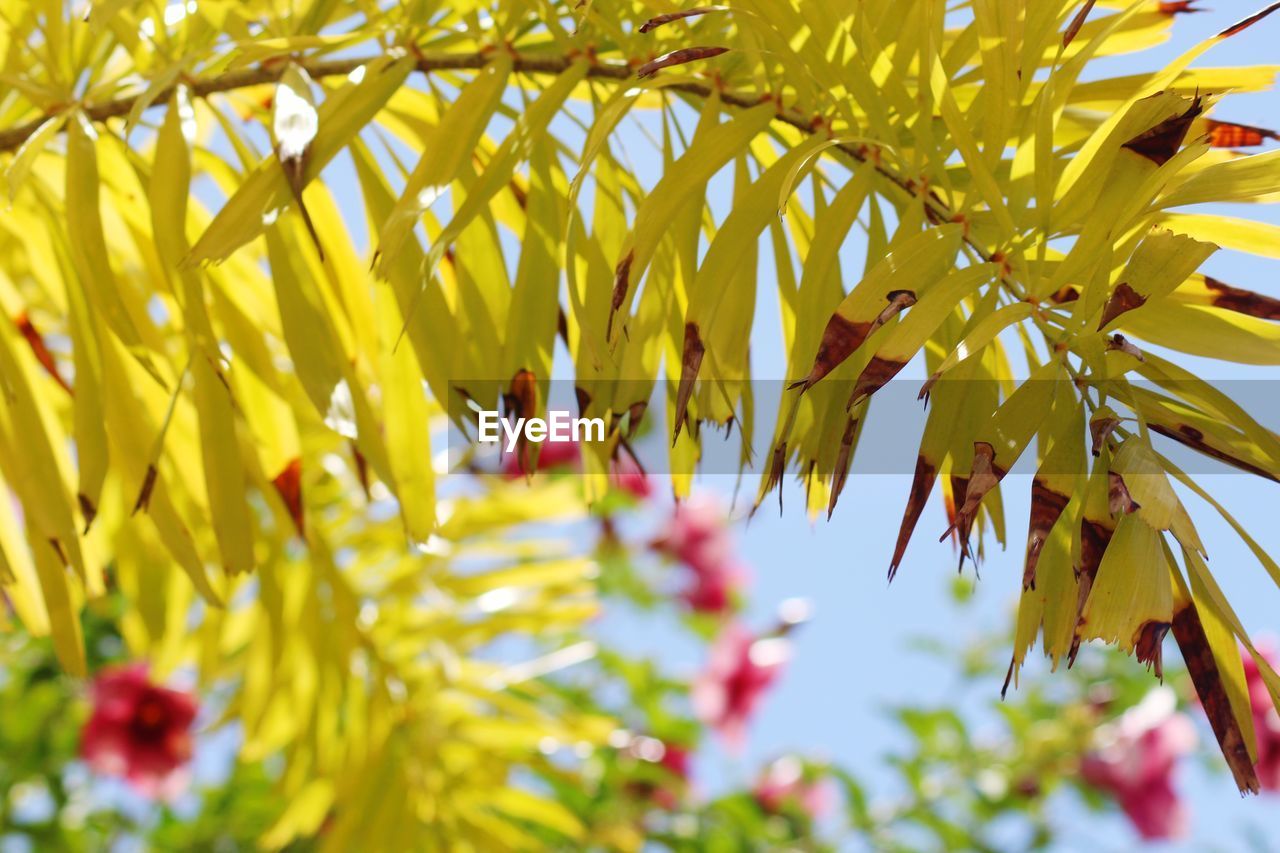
{"points": [[26, 156], [1204, 331], [984, 333], [446, 149], [406, 419], [1132, 587], [1013, 425], [923, 319], [62, 607], [708, 152], [1241, 235], [516, 148], [266, 189], [1253, 178], [87, 244]]}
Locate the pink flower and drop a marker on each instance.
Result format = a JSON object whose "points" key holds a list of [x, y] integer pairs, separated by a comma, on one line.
{"points": [[697, 535], [741, 668], [1266, 722], [668, 786], [140, 731], [675, 760], [551, 454], [624, 472], [1135, 761], [785, 784]]}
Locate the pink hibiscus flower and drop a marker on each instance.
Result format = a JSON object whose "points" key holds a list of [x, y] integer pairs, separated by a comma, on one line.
{"points": [[740, 671], [140, 731], [1135, 760]]}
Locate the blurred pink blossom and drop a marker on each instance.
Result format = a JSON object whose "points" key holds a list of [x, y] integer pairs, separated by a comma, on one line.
{"points": [[1135, 759], [551, 454], [786, 784], [697, 535], [624, 472], [741, 669], [140, 731]]}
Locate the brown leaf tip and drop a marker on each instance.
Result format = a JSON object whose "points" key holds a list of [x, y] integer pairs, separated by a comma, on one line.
{"points": [[1123, 298], [1073, 28], [1100, 428], [921, 485], [1046, 507], [41, 351], [1119, 500], [839, 339], [1149, 644], [1179, 7], [1242, 301], [661, 20], [621, 283], [1205, 675], [1120, 344], [842, 465], [288, 485], [690, 365], [1161, 142], [144, 494], [87, 509], [1240, 26], [682, 56], [1227, 134]]}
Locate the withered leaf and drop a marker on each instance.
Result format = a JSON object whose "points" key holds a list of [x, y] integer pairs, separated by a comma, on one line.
{"points": [[1123, 298], [1161, 142], [1122, 344], [1073, 28], [621, 283], [678, 57], [661, 20], [984, 476], [690, 364], [288, 485], [1150, 644], [1100, 428], [1189, 633], [921, 485], [1240, 26], [1243, 301], [36, 341], [1046, 507], [842, 464], [1178, 7], [1118, 499], [144, 493], [1226, 134]]}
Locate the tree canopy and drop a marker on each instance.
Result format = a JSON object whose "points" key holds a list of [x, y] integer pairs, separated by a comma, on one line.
{"points": [[207, 371]]}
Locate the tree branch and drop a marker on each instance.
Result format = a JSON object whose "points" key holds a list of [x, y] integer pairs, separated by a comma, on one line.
{"points": [[528, 63]]}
